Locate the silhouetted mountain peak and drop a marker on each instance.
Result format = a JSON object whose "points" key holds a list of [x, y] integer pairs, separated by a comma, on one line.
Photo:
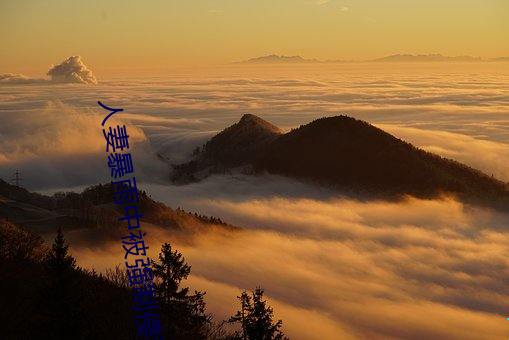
{"points": [[340, 130], [239, 143], [338, 123], [251, 121]]}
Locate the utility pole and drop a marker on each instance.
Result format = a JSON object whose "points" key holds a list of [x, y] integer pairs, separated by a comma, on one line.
{"points": [[17, 178]]}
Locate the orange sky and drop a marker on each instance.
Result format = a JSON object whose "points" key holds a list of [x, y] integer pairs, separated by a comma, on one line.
{"points": [[135, 35]]}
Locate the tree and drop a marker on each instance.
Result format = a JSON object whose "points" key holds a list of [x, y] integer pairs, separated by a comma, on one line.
{"points": [[183, 314], [57, 259], [255, 318], [61, 298]]}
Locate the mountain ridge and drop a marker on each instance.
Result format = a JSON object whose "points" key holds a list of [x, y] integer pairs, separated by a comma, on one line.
{"points": [[420, 58], [350, 155], [94, 208]]}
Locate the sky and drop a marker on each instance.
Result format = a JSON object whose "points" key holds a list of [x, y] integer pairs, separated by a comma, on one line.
{"points": [[134, 36]]}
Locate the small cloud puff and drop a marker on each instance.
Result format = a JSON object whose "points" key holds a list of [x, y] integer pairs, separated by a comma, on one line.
{"points": [[72, 70], [17, 78]]}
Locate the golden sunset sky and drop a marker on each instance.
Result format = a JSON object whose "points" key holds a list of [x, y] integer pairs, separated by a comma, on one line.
{"points": [[137, 35]]}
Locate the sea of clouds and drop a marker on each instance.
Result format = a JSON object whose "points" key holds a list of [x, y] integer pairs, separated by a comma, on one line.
{"points": [[333, 267], [459, 112], [337, 268]]}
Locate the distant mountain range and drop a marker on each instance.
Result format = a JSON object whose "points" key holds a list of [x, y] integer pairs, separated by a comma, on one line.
{"points": [[277, 59], [344, 153], [280, 59], [426, 58]]}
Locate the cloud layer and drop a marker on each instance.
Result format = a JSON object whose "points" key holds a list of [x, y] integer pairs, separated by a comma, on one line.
{"points": [[339, 268], [18, 79], [458, 112]]}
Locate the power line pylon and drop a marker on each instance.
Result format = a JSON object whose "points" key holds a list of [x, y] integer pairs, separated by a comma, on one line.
{"points": [[17, 178]]}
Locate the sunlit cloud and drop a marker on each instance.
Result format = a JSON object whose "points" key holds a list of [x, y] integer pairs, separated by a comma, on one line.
{"points": [[353, 261], [71, 70], [427, 266], [64, 145], [17, 78], [488, 156]]}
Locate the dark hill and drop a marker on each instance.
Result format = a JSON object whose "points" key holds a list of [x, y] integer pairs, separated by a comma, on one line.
{"points": [[357, 157], [30, 296], [235, 146], [94, 208]]}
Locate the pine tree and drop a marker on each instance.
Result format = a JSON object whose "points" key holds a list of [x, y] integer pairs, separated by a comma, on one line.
{"points": [[61, 298], [183, 314], [242, 315], [255, 318], [58, 259]]}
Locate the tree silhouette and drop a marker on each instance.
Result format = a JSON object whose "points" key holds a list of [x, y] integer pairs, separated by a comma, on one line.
{"points": [[255, 318], [61, 298], [183, 314], [58, 259]]}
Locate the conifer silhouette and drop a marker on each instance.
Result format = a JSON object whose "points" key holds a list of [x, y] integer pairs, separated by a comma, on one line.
{"points": [[183, 314], [255, 318]]}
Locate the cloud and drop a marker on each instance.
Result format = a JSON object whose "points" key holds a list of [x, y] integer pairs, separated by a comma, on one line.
{"points": [[434, 269], [414, 261], [64, 145], [344, 9], [17, 78], [72, 70], [343, 263], [487, 156], [322, 2]]}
